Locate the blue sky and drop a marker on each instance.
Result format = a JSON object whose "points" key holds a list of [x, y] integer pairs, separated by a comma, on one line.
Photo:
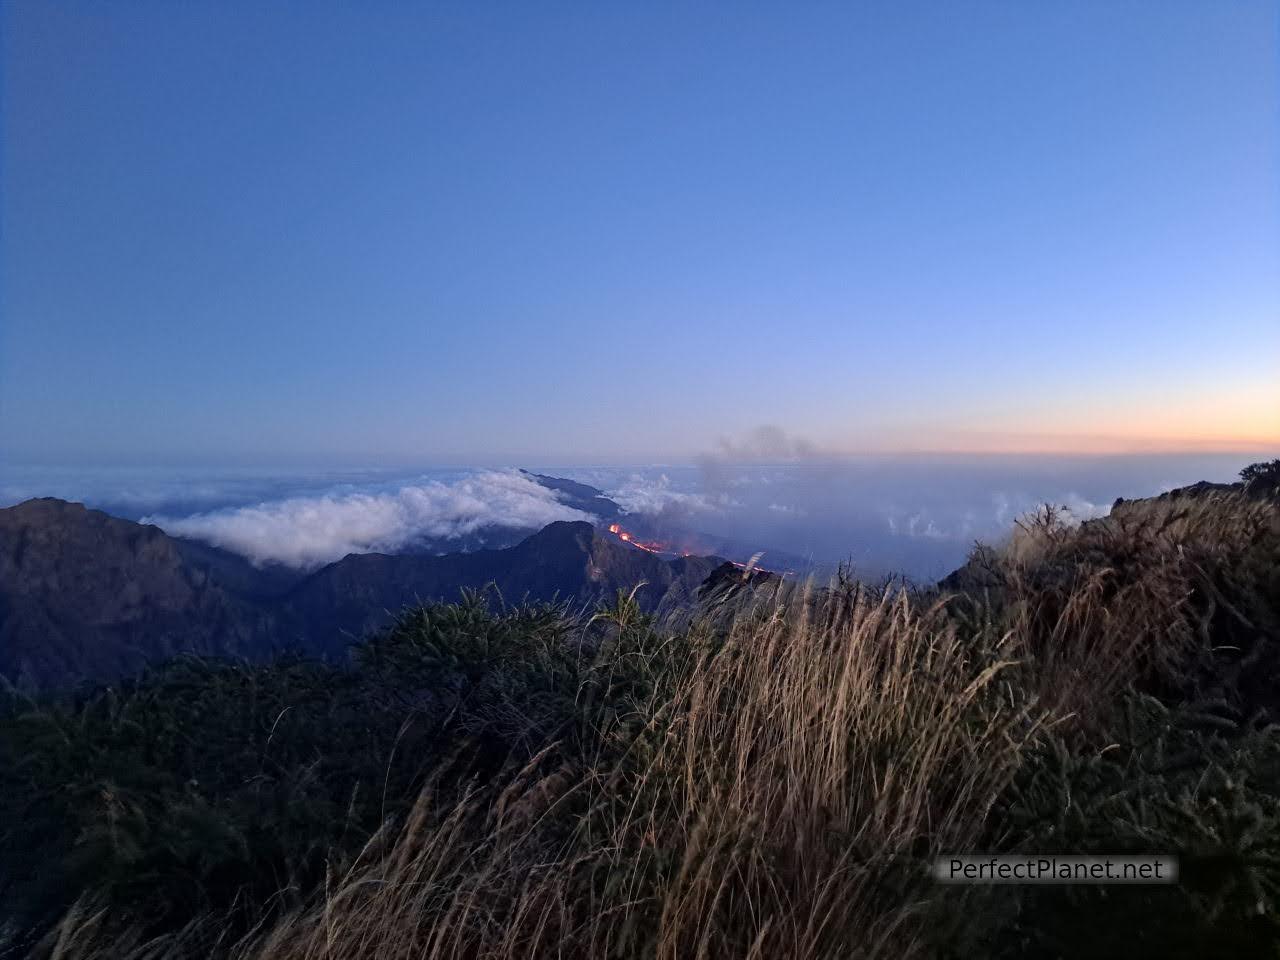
{"points": [[381, 233]]}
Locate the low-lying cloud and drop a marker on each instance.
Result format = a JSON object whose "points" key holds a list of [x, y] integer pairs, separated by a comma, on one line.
{"points": [[310, 531], [914, 514]]}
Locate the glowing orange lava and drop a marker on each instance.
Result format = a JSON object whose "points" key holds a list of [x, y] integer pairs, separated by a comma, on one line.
{"points": [[650, 546], [666, 550]]}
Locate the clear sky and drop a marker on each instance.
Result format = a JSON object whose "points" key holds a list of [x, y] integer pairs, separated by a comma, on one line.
{"points": [[586, 232]]}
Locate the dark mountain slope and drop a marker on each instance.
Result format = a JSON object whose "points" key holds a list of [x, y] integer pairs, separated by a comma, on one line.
{"points": [[85, 596], [237, 573], [567, 561]]}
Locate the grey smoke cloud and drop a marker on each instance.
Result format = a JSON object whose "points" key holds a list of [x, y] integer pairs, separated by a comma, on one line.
{"points": [[309, 531], [658, 495], [767, 442]]}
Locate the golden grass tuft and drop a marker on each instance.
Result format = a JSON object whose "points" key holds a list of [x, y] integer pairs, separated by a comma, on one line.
{"points": [[779, 801]]}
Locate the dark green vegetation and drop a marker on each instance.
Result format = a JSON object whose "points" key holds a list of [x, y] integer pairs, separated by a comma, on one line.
{"points": [[214, 784], [1260, 475], [768, 782]]}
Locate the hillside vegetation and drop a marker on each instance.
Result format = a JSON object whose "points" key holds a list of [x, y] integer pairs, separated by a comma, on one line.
{"points": [[769, 778]]}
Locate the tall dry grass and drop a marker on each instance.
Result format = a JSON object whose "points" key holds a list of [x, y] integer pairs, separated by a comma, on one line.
{"points": [[1147, 595], [779, 797]]}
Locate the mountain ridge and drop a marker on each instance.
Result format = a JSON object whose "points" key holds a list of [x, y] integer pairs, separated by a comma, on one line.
{"points": [[85, 596]]}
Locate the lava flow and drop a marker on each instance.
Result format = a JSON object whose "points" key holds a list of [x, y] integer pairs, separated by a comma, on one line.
{"points": [[652, 546], [664, 549]]}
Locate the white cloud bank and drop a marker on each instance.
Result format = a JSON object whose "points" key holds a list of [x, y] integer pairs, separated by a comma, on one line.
{"points": [[308, 532]]}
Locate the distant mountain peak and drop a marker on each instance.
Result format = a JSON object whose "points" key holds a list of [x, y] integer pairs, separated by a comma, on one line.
{"points": [[580, 496]]}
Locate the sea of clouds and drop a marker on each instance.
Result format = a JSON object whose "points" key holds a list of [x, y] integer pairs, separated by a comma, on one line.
{"points": [[917, 515]]}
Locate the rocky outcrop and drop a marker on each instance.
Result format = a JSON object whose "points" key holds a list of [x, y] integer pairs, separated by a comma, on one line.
{"points": [[87, 595]]}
